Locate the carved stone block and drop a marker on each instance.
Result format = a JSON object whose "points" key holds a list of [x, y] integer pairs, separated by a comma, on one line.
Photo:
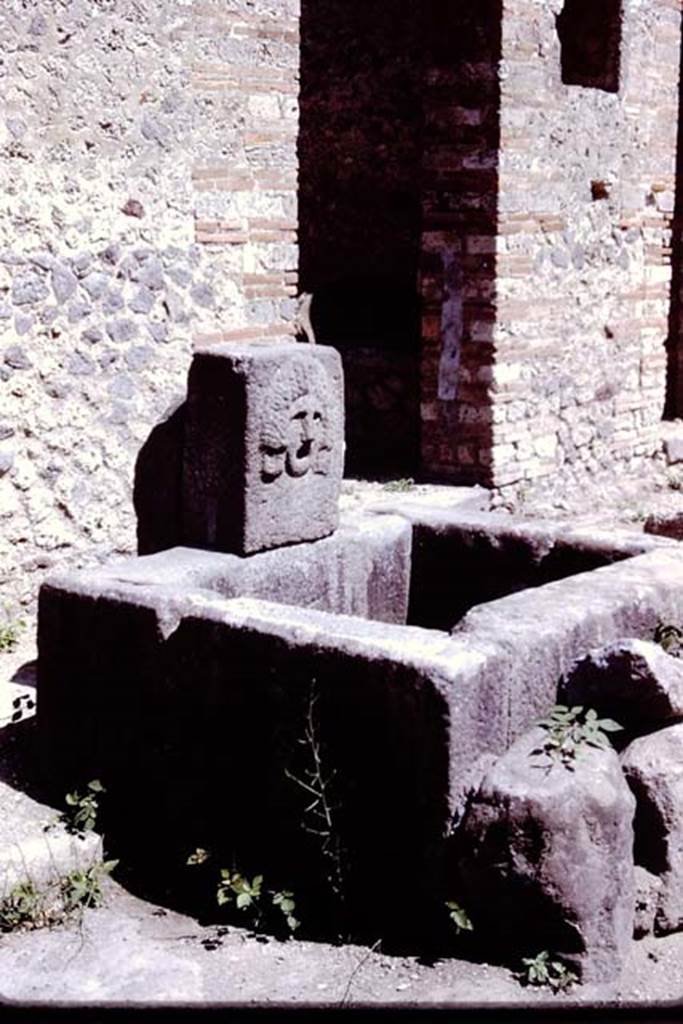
{"points": [[263, 446]]}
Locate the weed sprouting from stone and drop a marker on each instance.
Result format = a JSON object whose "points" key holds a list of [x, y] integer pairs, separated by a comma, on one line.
{"points": [[459, 917], [320, 813], [10, 632], [81, 813], [81, 889], [27, 907], [571, 730], [399, 486], [20, 908], [263, 907], [543, 971], [670, 638]]}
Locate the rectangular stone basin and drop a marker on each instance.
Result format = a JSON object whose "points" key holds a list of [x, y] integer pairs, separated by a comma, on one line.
{"points": [[420, 643]]}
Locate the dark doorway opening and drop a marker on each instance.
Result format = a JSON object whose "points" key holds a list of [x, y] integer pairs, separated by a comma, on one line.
{"points": [[359, 216]]}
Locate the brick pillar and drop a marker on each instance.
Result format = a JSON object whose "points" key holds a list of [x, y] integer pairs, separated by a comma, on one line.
{"points": [[458, 252]]}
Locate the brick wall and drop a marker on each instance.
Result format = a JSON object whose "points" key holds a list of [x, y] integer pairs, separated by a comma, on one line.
{"points": [[585, 204], [558, 250]]}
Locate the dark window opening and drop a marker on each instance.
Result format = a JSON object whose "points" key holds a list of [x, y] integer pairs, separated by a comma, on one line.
{"points": [[590, 40]]}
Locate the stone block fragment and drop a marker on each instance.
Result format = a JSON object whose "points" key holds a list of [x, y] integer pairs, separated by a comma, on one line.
{"points": [[263, 446], [653, 766], [544, 857], [633, 681], [673, 448], [648, 888], [666, 525]]}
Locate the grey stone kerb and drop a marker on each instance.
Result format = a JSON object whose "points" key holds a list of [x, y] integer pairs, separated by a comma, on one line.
{"points": [[263, 452]]}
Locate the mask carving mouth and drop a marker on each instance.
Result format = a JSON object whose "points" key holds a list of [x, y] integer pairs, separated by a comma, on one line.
{"points": [[299, 461]]}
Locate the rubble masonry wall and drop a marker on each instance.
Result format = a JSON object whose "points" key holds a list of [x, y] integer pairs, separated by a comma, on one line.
{"points": [[148, 166]]}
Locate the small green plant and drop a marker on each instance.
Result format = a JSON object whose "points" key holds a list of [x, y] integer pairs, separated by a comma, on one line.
{"points": [[10, 632], [541, 970], [669, 637], [263, 906], [199, 856], [400, 486], [459, 917], [258, 901], [21, 908], [26, 907], [570, 730], [83, 888], [82, 808]]}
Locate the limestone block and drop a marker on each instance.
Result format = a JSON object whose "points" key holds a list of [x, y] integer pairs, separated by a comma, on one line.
{"points": [[633, 681], [263, 446], [544, 857], [653, 766]]}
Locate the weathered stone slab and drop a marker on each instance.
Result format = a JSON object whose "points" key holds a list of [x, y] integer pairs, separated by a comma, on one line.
{"points": [[633, 681], [540, 633], [544, 857], [653, 766], [263, 455], [362, 569], [491, 555]]}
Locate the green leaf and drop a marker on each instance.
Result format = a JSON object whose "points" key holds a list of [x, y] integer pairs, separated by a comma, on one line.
{"points": [[96, 786], [609, 725], [199, 856], [244, 900]]}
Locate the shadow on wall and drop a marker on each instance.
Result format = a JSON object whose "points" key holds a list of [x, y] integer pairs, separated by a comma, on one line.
{"points": [[157, 487], [359, 156], [673, 407]]}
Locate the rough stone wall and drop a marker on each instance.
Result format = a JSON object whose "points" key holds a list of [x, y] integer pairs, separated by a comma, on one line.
{"points": [[147, 173], [586, 197], [549, 207]]}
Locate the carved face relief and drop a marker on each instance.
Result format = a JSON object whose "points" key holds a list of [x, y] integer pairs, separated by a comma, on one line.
{"points": [[295, 436]]}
